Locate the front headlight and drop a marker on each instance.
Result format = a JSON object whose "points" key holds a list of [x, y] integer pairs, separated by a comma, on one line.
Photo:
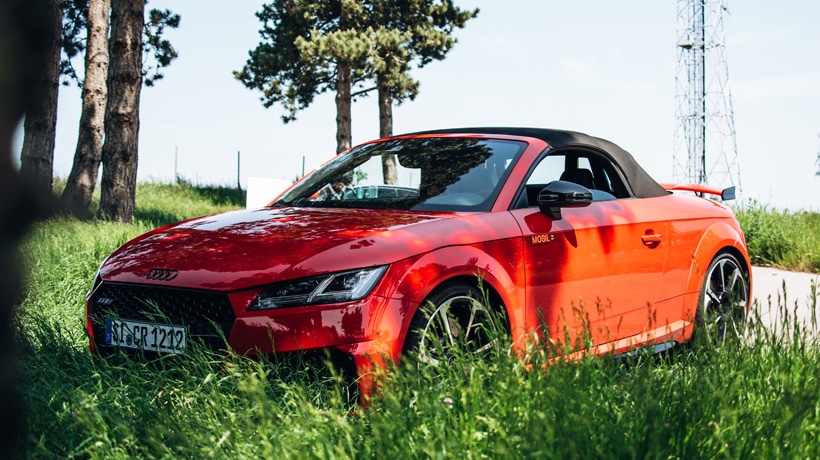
{"points": [[97, 281], [331, 288]]}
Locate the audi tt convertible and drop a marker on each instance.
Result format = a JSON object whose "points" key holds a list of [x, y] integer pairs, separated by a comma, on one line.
{"points": [[416, 244]]}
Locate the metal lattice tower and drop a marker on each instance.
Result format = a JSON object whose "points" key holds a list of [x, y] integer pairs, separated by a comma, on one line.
{"points": [[705, 147]]}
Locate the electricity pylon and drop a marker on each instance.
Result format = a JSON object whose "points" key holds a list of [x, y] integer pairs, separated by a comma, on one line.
{"points": [[705, 147]]}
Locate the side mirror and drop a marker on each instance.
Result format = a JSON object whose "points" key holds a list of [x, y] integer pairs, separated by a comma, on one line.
{"points": [[560, 194]]}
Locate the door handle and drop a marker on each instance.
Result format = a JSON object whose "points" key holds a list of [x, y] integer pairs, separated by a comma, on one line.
{"points": [[652, 240]]}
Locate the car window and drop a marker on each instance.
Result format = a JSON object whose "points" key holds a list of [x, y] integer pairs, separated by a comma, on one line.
{"points": [[592, 171], [549, 169], [437, 174]]}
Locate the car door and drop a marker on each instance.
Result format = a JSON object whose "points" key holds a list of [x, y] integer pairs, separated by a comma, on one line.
{"points": [[593, 275]]}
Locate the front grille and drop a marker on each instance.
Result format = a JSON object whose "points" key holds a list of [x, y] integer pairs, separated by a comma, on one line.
{"points": [[208, 316]]}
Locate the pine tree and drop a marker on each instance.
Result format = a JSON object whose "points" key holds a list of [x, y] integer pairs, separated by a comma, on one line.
{"points": [[310, 47], [119, 152], [88, 154], [40, 126], [403, 32], [307, 49], [93, 17]]}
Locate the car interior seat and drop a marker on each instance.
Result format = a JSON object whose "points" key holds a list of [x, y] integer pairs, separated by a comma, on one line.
{"points": [[580, 176]]}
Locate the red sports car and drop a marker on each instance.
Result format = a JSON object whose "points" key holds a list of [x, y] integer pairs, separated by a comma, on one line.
{"points": [[423, 242]]}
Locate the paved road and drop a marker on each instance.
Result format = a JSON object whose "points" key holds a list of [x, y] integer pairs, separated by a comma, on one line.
{"points": [[774, 304]]}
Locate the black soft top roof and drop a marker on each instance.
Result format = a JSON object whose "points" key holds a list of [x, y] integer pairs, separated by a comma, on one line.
{"points": [[641, 183]]}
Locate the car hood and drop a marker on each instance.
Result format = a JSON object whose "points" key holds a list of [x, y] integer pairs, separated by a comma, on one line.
{"points": [[243, 249]]}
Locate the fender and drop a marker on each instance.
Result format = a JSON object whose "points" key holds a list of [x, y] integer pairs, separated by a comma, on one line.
{"points": [[716, 238], [495, 263]]}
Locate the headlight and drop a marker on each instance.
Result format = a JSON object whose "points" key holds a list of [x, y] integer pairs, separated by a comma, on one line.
{"points": [[332, 288], [95, 283]]}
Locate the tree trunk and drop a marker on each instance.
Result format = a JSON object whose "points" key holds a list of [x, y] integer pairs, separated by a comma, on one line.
{"points": [[37, 156], [119, 152], [343, 113], [386, 130], [344, 136], [87, 156]]}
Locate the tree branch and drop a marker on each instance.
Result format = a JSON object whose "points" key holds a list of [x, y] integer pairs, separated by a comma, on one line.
{"points": [[363, 91]]}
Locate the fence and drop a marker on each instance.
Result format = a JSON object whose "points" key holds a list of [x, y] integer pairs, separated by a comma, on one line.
{"points": [[217, 168]]}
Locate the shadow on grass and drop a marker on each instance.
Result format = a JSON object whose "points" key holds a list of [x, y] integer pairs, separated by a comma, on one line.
{"points": [[157, 217], [217, 194]]}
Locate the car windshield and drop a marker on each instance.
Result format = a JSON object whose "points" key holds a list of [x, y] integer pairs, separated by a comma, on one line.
{"points": [[431, 174]]}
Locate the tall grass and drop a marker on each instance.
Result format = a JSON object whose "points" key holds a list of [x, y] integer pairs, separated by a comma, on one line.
{"points": [[164, 204], [780, 237], [759, 399], [160, 204]]}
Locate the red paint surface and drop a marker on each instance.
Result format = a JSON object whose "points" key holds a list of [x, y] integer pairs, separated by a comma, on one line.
{"points": [[630, 268]]}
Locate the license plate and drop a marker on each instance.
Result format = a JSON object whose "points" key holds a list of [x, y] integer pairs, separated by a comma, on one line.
{"points": [[144, 336]]}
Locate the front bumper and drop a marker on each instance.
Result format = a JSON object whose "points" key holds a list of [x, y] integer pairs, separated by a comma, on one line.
{"points": [[368, 331]]}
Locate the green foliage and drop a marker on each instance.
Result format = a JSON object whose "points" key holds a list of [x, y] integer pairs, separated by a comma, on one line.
{"points": [[163, 204], [759, 399], [75, 14], [781, 238], [407, 31], [276, 66], [304, 42], [156, 48]]}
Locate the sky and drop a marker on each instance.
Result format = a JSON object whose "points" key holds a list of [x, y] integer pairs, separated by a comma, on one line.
{"points": [[601, 67]]}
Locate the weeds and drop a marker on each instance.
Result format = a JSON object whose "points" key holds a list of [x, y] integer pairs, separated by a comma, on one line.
{"points": [[759, 398], [781, 238]]}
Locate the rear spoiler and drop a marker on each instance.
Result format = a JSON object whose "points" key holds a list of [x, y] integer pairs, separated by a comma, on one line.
{"points": [[700, 190]]}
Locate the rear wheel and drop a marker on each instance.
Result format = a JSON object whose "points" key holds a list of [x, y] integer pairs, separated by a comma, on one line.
{"points": [[455, 318], [724, 301]]}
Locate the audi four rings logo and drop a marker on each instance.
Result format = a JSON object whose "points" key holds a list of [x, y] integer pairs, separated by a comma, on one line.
{"points": [[161, 274]]}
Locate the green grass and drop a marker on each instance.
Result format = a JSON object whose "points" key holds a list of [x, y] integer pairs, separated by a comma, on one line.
{"points": [[755, 400], [781, 238], [162, 204]]}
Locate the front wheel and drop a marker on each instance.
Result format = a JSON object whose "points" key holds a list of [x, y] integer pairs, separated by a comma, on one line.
{"points": [[724, 301], [455, 318]]}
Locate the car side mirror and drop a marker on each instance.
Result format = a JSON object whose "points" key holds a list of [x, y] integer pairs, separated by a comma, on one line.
{"points": [[561, 194]]}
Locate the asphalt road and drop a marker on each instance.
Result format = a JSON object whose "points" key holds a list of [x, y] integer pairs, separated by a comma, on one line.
{"points": [[779, 295]]}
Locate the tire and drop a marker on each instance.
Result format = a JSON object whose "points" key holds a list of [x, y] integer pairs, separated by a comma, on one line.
{"points": [[723, 303], [455, 319]]}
